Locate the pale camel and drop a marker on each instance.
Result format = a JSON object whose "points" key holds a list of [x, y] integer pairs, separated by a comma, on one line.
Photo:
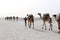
{"points": [[58, 21]]}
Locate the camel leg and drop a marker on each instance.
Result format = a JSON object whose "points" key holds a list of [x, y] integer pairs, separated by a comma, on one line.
{"points": [[33, 25], [30, 25], [59, 27], [59, 31], [45, 27], [50, 27], [25, 23]]}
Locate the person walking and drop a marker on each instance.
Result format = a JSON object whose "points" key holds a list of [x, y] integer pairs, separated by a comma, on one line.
{"points": [[25, 19]]}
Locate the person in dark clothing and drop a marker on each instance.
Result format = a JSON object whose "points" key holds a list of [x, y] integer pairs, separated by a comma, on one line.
{"points": [[25, 19]]}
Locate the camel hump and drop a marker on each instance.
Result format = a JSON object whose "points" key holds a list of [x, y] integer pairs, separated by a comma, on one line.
{"points": [[46, 15], [31, 16]]}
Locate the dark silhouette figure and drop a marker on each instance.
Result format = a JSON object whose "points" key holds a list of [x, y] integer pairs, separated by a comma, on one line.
{"points": [[25, 19]]}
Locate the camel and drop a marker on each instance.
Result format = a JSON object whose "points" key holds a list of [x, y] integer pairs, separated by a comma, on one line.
{"points": [[30, 19], [13, 18], [58, 21], [17, 18], [10, 18], [46, 17]]}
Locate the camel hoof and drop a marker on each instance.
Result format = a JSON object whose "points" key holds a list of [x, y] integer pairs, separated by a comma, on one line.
{"points": [[49, 29], [59, 32], [42, 27]]}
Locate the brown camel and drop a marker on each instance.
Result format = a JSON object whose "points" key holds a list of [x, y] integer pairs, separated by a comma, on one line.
{"points": [[30, 20], [46, 17], [8, 18], [58, 21]]}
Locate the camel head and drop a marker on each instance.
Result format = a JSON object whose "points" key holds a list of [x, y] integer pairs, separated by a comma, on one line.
{"points": [[27, 14], [57, 17], [54, 16], [39, 14]]}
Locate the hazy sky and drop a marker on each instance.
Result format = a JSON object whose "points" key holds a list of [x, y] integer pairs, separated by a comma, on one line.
{"points": [[22, 7]]}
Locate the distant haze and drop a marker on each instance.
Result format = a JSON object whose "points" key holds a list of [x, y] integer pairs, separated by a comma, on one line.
{"points": [[22, 7]]}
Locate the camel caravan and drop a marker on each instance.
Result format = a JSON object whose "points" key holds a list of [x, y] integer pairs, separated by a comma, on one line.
{"points": [[30, 20], [46, 17], [12, 18]]}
